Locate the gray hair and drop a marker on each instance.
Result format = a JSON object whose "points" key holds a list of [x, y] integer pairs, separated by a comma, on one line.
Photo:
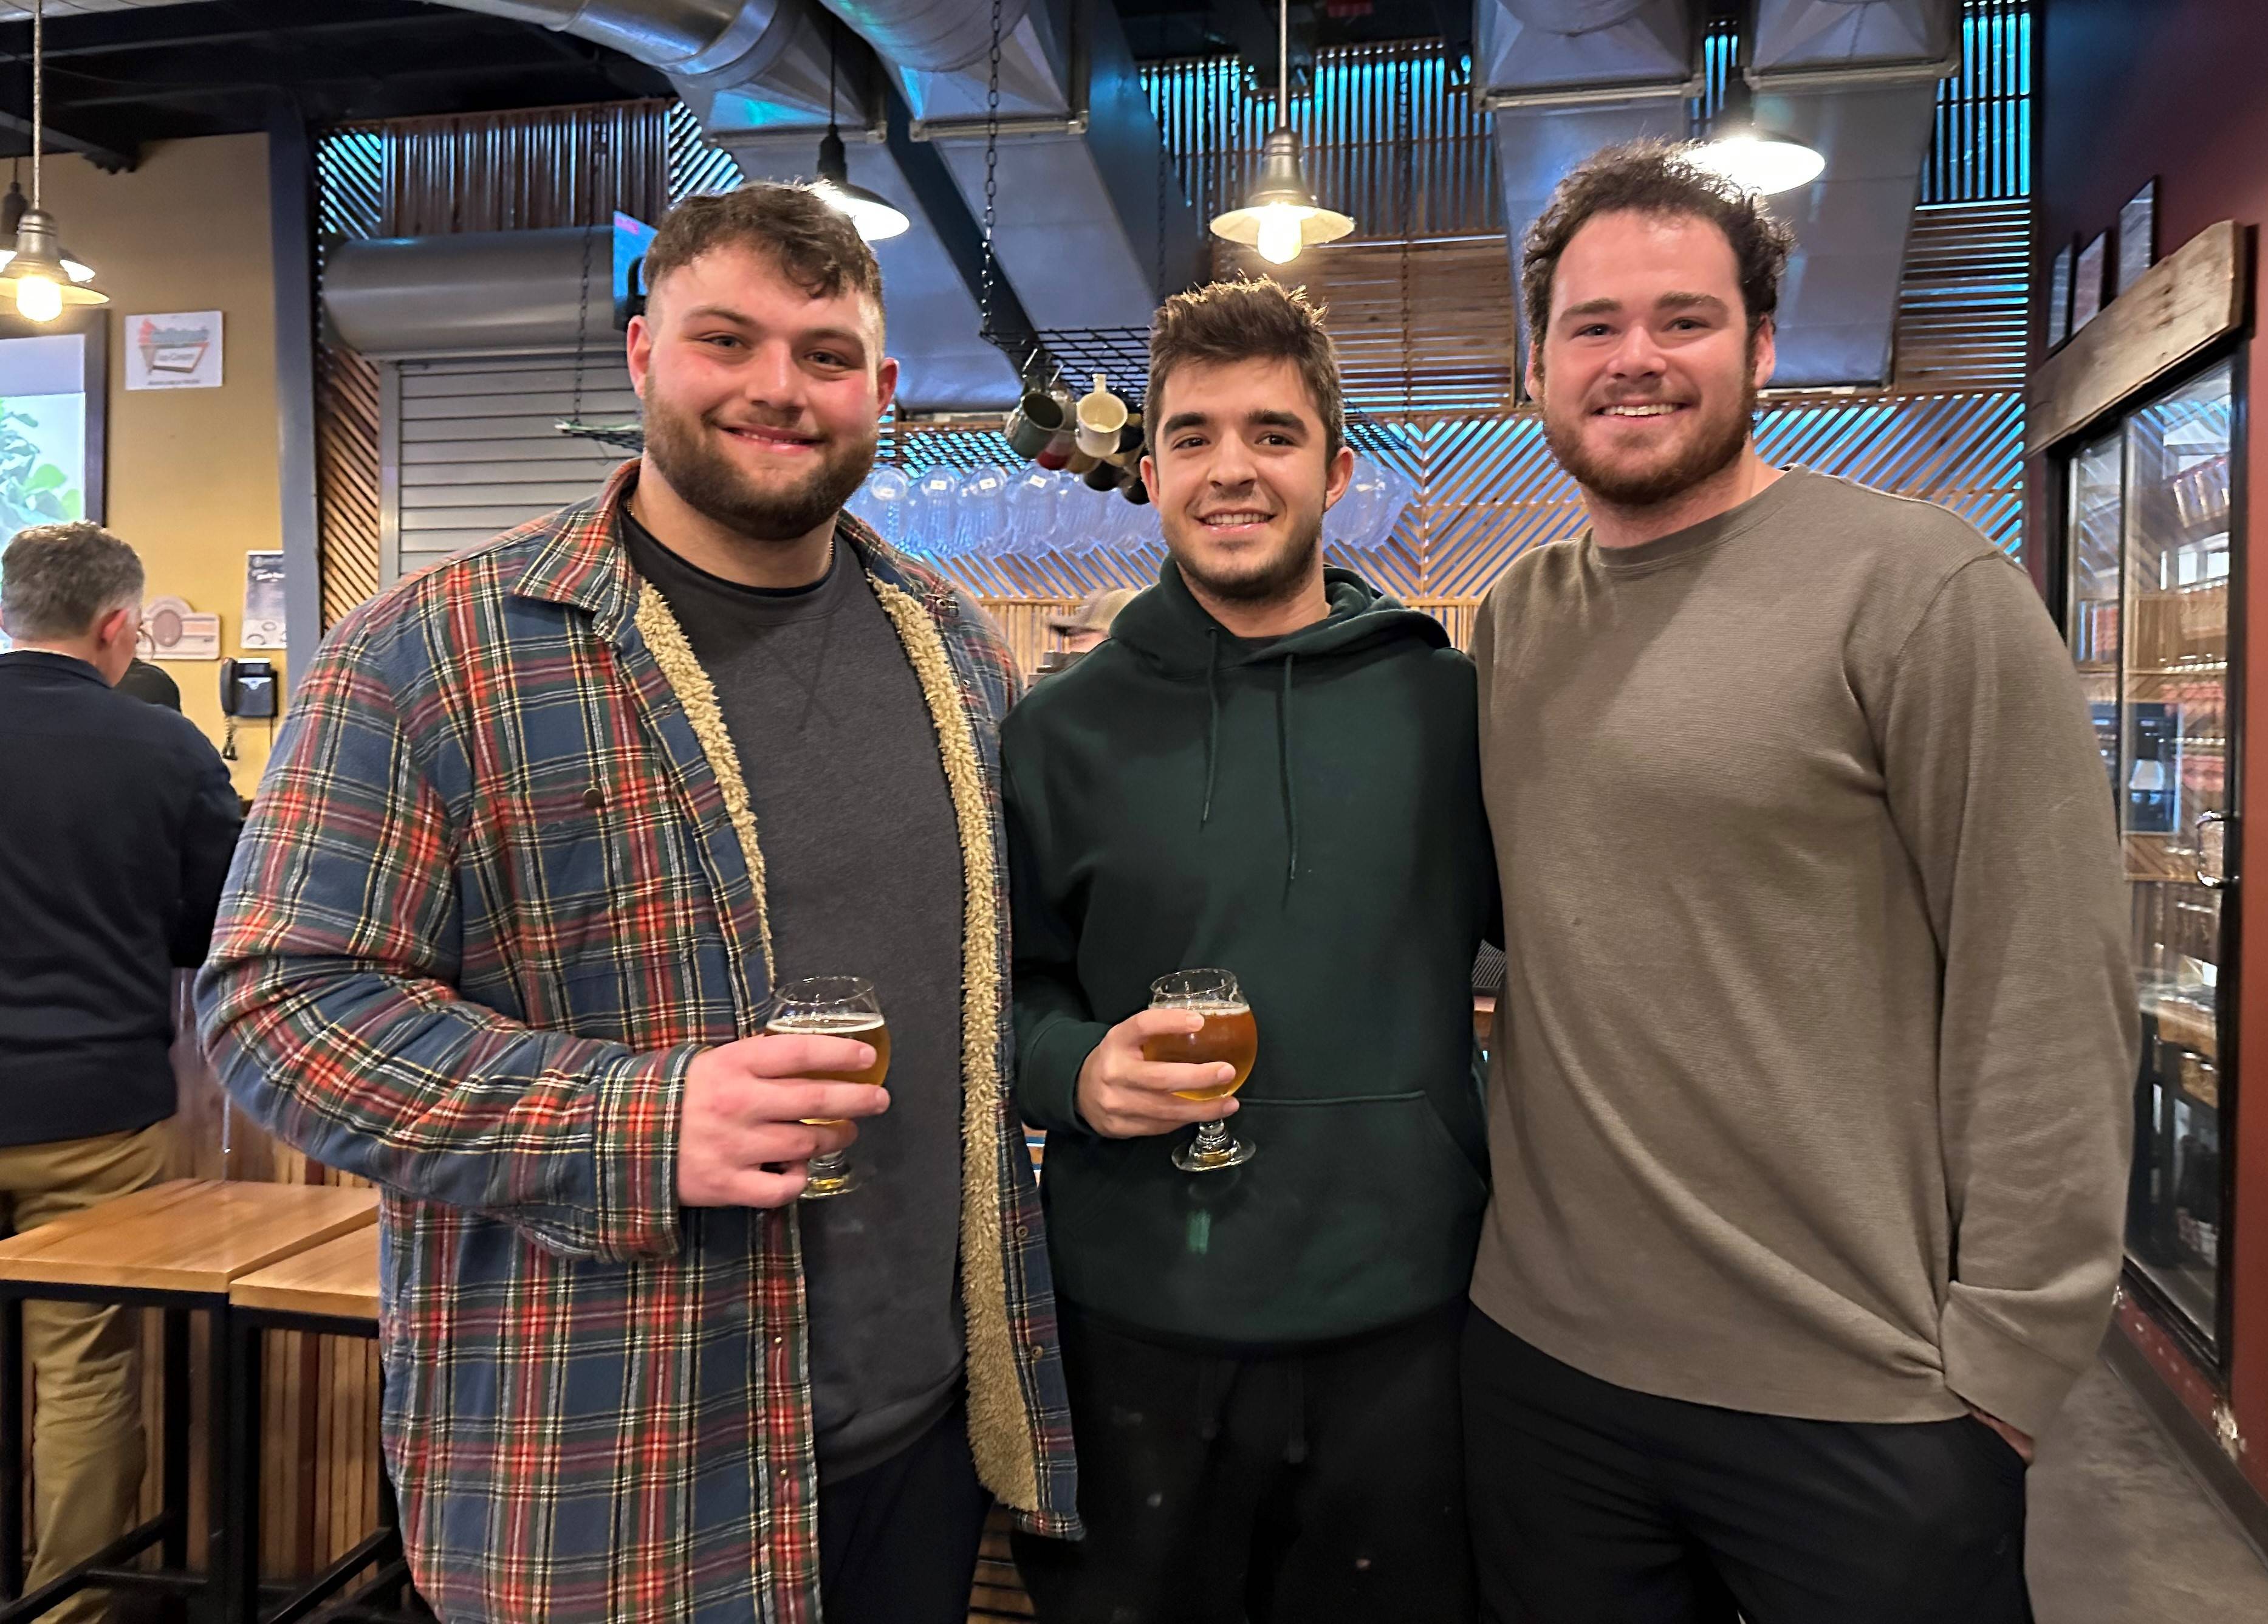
{"points": [[58, 580]]}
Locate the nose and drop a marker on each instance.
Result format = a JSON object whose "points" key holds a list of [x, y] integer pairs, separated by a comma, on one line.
{"points": [[771, 378], [1232, 464], [1637, 355]]}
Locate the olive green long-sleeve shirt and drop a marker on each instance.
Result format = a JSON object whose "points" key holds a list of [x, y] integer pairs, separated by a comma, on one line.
{"points": [[1810, 1095]]}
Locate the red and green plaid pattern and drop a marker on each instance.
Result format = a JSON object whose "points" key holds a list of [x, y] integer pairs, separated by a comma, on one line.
{"points": [[489, 905]]}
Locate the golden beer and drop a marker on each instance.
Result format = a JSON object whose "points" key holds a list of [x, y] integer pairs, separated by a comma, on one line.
{"points": [[833, 1006], [1229, 1033]]}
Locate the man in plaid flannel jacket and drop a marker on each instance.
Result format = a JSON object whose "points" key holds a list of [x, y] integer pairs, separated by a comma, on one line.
{"points": [[499, 938]]}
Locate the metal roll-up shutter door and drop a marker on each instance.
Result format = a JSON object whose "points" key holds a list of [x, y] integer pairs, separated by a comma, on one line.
{"points": [[469, 449]]}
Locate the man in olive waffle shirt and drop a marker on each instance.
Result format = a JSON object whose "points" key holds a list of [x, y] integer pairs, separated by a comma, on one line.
{"points": [[1809, 1115]]}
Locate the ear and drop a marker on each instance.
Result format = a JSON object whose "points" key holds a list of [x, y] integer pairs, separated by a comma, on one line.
{"points": [[1767, 354], [120, 622], [1336, 479], [639, 345], [1150, 477], [886, 386]]}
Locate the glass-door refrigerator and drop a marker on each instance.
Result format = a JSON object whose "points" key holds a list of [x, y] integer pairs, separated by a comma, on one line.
{"points": [[2148, 565]]}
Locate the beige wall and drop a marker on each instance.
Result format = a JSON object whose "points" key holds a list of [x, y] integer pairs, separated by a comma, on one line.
{"points": [[192, 481]]}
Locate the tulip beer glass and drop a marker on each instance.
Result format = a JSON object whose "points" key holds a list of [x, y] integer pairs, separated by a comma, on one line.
{"points": [[1228, 1034], [834, 1006]]}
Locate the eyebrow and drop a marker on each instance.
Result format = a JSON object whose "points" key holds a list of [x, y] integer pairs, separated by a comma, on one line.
{"points": [[1668, 301], [1260, 419], [726, 312]]}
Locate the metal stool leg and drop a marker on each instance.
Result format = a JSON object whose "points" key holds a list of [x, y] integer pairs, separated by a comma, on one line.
{"points": [[174, 1452], [238, 1535]]}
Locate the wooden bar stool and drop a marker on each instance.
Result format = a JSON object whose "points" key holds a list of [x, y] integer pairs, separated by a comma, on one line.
{"points": [[177, 1248], [331, 1291]]}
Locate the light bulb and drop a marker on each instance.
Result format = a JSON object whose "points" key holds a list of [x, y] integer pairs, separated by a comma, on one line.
{"points": [[39, 299], [1279, 241]]}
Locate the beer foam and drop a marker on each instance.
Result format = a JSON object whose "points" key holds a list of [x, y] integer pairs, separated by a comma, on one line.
{"points": [[830, 1025]]}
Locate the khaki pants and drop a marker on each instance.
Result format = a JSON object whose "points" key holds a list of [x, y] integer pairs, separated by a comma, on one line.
{"points": [[87, 1448]]}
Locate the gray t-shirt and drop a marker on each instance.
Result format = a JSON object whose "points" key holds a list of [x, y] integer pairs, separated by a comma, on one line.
{"points": [[862, 865]]}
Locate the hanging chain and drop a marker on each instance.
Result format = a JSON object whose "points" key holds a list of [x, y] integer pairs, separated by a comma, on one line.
{"points": [[582, 325], [40, 91], [1403, 122], [991, 180], [1163, 158]]}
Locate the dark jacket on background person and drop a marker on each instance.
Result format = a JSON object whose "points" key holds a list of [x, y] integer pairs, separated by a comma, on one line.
{"points": [[117, 821], [1304, 813]]}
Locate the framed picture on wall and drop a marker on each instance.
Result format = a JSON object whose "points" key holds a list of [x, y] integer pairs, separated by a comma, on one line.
{"points": [[54, 390], [2087, 280], [2059, 295], [2138, 235]]}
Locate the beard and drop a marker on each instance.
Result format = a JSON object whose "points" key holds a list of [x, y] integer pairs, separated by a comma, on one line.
{"points": [[1716, 440], [1269, 581], [679, 445]]}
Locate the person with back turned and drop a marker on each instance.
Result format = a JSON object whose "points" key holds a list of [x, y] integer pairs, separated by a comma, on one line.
{"points": [[1809, 1109], [1247, 841], [116, 824]]}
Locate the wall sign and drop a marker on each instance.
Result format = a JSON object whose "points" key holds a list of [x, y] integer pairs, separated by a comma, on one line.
{"points": [[2059, 295], [263, 601], [2138, 236], [2087, 282], [171, 630], [180, 350]]}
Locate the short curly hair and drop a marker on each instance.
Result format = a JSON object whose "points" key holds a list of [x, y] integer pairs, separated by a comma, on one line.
{"points": [[1247, 319], [1657, 178], [814, 244]]}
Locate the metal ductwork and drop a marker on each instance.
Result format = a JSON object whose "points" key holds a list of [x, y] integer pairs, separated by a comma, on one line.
{"points": [[1092, 229], [489, 293], [1855, 78]]}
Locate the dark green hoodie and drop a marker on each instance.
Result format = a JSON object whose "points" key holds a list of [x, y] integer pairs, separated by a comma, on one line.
{"points": [[1304, 812]]}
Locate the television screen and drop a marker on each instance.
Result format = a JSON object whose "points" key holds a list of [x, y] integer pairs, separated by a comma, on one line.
{"points": [[47, 472]]}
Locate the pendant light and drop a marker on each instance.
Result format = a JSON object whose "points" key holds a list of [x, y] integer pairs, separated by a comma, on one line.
{"points": [[874, 216], [1752, 157], [1280, 216], [37, 273]]}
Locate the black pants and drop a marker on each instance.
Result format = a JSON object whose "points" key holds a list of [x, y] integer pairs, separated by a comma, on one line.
{"points": [[897, 1542], [1593, 1504], [1305, 1488]]}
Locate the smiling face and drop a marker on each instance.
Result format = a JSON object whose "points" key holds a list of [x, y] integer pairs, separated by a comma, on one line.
{"points": [[1646, 371], [762, 403], [1242, 474]]}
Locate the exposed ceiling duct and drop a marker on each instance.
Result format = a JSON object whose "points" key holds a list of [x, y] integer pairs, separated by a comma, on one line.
{"points": [[1854, 78], [1092, 228]]}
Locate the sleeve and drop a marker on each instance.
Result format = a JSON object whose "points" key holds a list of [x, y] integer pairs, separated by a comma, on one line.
{"points": [[1483, 655], [209, 832], [1056, 1031], [329, 1009], [1997, 788]]}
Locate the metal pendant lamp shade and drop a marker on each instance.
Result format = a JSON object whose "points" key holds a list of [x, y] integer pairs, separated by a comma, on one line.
{"points": [[1280, 216], [37, 276], [1752, 157], [876, 218]]}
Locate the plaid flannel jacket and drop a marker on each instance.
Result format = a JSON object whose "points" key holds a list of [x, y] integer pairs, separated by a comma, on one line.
{"points": [[501, 885]]}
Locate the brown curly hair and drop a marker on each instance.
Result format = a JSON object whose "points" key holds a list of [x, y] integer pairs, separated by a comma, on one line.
{"points": [[814, 246], [1658, 177]]}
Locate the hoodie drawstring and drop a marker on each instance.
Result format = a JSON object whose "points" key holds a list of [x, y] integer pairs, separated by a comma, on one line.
{"points": [[1213, 721], [1284, 761]]}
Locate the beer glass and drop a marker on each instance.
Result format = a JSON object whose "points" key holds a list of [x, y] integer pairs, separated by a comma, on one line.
{"points": [[1228, 1034], [833, 1006]]}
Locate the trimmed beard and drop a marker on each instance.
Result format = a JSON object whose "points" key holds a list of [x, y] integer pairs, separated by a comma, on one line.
{"points": [[1716, 444], [1276, 581], [711, 485]]}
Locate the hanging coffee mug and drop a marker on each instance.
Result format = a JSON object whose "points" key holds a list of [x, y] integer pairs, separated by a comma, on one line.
{"points": [[1038, 422], [1101, 415], [1104, 476]]}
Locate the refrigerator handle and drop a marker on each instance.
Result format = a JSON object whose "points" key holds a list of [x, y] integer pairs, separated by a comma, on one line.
{"points": [[2213, 848]]}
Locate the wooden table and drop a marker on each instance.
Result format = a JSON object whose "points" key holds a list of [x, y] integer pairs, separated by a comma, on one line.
{"points": [[328, 1291], [177, 1248]]}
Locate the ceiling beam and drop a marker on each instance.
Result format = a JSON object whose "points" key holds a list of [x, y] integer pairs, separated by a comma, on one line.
{"points": [[106, 159]]}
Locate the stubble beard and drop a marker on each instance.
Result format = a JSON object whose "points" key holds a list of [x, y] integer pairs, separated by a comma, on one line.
{"points": [[708, 482], [1277, 581], [1715, 444]]}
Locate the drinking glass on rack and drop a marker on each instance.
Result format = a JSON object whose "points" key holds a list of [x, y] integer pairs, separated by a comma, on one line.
{"points": [[833, 1006], [1229, 1034]]}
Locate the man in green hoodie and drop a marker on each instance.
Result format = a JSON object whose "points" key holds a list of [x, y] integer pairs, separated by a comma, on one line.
{"points": [[1269, 769]]}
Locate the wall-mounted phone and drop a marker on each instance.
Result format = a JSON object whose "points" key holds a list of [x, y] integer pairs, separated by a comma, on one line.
{"points": [[248, 689]]}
